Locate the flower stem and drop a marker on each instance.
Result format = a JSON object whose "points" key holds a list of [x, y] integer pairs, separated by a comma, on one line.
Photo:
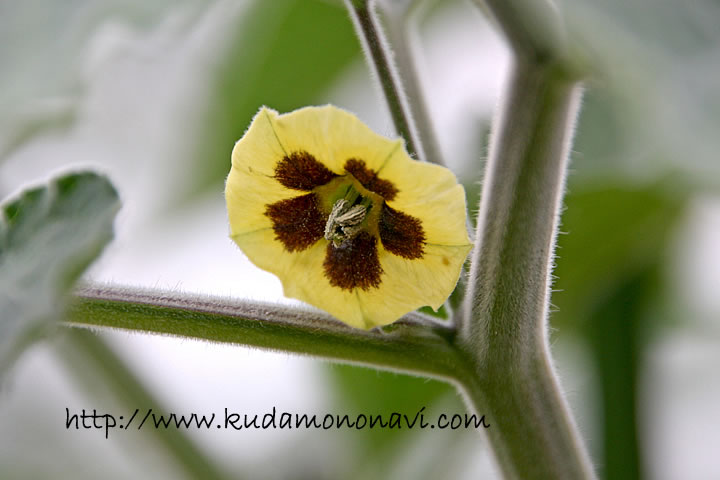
{"points": [[505, 333], [380, 60], [398, 15], [507, 300], [415, 344]]}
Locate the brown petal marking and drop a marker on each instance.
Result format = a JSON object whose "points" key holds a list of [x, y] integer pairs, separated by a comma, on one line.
{"points": [[354, 264], [370, 180], [401, 234], [298, 222], [302, 171]]}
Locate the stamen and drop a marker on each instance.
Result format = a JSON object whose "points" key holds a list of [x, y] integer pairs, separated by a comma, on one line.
{"points": [[346, 217]]}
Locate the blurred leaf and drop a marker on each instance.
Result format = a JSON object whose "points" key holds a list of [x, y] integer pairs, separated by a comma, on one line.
{"points": [[46, 73], [104, 376], [616, 335], [365, 390], [48, 236], [441, 313], [608, 274], [284, 54], [656, 64], [372, 392], [610, 233]]}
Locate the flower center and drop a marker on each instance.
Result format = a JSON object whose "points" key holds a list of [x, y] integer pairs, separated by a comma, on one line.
{"points": [[347, 217]]}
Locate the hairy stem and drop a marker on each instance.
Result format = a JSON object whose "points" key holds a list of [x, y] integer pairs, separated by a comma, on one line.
{"points": [[398, 15], [533, 29], [414, 345], [507, 301], [380, 61]]}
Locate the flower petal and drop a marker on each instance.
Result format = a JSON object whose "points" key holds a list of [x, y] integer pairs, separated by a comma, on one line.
{"points": [[303, 277], [283, 170], [297, 222], [333, 136], [302, 171], [401, 234], [251, 185], [247, 195], [259, 150], [431, 194], [415, 283], [405, 284], [354, 264], [369, 179]]}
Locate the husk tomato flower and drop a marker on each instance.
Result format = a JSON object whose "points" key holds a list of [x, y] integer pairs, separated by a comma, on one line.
{"points": [[344, 217]]}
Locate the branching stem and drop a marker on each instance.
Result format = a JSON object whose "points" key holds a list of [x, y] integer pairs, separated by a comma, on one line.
{"points": [[499, 354], [507, 304], [416, 344]]}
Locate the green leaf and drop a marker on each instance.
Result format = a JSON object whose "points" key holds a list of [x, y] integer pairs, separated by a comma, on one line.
{"points": [[617, 336], [359, 390], [610, 282], [48, 236], [612, 232]]}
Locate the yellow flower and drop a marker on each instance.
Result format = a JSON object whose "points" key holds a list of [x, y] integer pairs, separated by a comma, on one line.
{"points": [[344, 217]]}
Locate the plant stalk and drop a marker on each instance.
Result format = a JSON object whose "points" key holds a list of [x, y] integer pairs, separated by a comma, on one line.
{"points": [[380, 60], [415, 344], [402, 36], [507, 302]]}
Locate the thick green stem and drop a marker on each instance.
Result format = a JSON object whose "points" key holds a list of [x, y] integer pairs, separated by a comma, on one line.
{"points": [[507, 301], [532, 27], [380, 60], [414, 345]]}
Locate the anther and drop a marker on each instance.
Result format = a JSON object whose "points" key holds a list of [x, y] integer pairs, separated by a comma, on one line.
{"points": [[344, 222]]}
